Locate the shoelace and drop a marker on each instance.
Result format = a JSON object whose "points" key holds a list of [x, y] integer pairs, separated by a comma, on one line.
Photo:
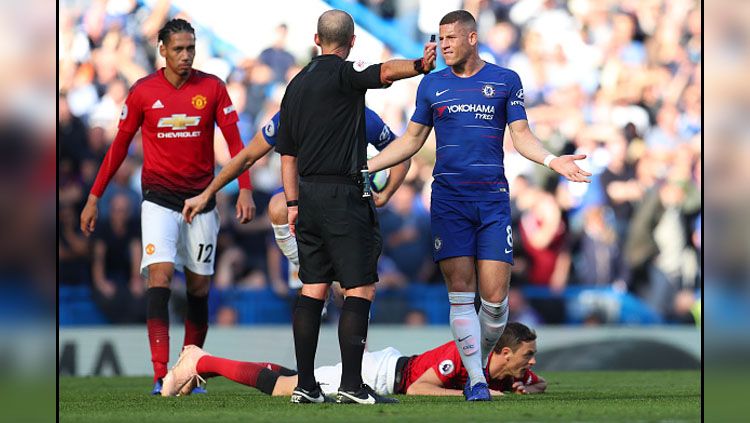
{"points": [[201, 381]]}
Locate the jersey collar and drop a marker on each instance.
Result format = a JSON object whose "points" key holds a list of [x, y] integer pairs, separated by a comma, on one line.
{"points": [[166, 81]]}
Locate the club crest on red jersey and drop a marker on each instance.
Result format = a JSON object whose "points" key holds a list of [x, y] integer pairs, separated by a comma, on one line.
{"points": [[199, 101]]}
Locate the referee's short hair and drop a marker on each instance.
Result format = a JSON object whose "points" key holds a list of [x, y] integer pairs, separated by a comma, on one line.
{"points": [[335, 28]]}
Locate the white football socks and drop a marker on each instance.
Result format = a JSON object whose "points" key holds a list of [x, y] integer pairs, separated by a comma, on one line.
{"points": [[286, 242], [466, 333], [492, 318]]}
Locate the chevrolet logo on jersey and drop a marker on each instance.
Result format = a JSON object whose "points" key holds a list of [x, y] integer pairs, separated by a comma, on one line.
{"points": [[179, 121]]}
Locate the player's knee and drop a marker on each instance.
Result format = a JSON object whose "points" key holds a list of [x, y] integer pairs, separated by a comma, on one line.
{"points": [[200, 291], [494, 294], [159, 278], [277, 209], [494, 297], [198, 285]]}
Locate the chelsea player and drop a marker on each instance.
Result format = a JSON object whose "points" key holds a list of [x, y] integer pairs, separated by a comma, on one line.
{"points": [[469, 103]]}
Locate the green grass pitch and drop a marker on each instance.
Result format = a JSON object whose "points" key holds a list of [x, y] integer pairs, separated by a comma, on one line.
{"points": [[571, 396]]}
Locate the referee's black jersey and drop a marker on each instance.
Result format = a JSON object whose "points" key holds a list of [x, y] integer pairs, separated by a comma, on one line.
{"points": [[323, 116]]}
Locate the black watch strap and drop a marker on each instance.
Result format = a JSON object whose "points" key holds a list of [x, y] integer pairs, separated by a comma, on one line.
{"points": [[419, 66], [292, 203]]}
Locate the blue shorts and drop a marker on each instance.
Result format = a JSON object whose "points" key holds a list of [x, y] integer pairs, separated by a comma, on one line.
{"points": [[479, 229]]}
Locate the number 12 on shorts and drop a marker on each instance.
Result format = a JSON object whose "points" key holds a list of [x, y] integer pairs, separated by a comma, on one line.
{"points": [[204, 252]]}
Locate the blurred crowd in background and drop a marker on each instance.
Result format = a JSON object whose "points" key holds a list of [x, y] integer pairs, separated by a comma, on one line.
{"points": [[617, 80]]}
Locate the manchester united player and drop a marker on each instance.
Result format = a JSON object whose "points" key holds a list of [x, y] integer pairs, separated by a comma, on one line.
{"points": [[176, 108], [438, 372]]}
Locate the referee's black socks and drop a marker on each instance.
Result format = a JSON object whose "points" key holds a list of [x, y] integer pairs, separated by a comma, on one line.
{"points": [[306, 327], [353, 322]]}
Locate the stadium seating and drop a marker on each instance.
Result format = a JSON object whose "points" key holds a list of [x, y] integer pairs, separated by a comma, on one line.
{"points": [[76, 307], [258, 307]]}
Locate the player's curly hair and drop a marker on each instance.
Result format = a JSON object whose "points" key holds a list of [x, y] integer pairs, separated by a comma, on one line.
{"points": [[174, 26], [514, 335]]}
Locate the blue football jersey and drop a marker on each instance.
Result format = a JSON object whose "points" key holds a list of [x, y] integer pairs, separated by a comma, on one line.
{"points": [[377, 132], [469, 116]]}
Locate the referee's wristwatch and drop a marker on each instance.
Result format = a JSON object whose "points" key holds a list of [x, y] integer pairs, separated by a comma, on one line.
{"points": [[292, 203], [420, 67]]}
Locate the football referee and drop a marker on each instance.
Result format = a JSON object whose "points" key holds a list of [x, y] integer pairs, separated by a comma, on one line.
{"points": [[323, 149]]}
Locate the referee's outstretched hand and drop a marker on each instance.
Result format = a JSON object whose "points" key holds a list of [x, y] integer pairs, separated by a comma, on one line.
{"points": [[194, 206]]}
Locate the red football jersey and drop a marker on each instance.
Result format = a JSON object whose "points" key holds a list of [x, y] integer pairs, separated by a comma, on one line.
{"points": [[177, 126], [446, 361]]}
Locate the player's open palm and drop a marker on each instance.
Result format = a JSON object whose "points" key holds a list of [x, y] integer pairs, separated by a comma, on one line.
{"points": [[88, 217], [566, 166], [193, 206]]}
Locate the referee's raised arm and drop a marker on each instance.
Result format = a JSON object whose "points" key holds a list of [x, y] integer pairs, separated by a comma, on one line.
{"points": [[396, 69]]}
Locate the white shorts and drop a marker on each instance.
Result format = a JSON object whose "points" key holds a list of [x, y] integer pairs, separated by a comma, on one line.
{"points": [[378, 371], [167, 238]]}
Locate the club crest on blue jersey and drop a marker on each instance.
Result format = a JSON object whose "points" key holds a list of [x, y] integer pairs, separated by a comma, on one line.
{"points": [[488, 91], [438, 243], [270, 130]]}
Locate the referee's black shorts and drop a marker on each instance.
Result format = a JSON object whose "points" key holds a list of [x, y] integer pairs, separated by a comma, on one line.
{"points": [[338, 235]]}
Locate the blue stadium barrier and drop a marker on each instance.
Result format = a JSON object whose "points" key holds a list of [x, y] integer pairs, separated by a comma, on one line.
{"points": [[580, 302], [259, 306], [431, 299], [76, 307], [256, 307]]}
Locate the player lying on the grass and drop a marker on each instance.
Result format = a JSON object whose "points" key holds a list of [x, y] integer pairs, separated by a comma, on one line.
{"points": [[436, 372]]}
